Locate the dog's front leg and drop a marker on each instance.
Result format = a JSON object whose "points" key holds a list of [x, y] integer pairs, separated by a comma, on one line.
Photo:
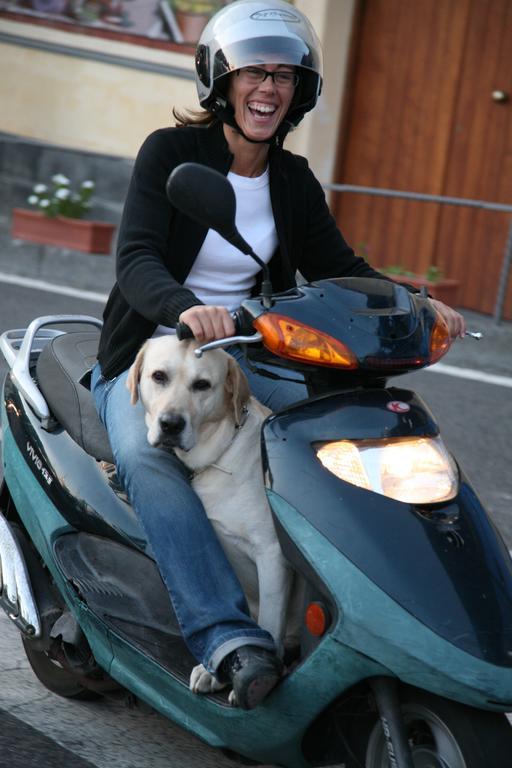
{"points": [[275, 580]]}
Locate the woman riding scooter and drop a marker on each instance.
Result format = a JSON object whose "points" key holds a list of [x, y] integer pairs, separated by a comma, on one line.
{"points": [[258, 71]]}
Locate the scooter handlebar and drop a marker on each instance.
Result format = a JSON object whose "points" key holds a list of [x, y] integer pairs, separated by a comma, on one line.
{"points": [[183, 331], [242, 325]]}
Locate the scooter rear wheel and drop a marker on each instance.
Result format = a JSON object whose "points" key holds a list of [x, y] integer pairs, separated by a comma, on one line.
{"points": [[54, 677], [444, 734]]}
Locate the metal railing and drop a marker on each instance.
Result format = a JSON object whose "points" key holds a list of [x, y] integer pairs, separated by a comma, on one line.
{"points": [[461, 201]]}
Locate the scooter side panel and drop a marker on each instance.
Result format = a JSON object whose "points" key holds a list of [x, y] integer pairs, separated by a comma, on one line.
{"points": [[45, 524], [40, 517], [72, 480], [446, 566], [372, 623]]}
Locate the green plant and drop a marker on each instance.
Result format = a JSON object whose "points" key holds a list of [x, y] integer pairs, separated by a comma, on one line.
{"points": [[433, 274], [196, 6], [59, 199], [396, 269]]}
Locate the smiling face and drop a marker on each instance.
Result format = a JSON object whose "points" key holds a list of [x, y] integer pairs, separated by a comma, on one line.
{"points": [[260, 107]]}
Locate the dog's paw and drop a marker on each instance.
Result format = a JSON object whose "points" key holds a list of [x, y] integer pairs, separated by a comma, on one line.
{"points": [[202, 681], [232, 699]]}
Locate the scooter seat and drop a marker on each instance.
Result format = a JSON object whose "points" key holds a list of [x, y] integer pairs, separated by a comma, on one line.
{"points": [[63, 374]]}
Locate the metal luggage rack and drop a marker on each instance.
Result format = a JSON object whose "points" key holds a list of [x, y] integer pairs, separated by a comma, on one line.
{"points": [[22, 346], [11, 341]]}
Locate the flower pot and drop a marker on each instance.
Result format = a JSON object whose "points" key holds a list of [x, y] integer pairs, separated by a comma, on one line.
{"points": [[191, 24], [445, 289], [77, 234]]}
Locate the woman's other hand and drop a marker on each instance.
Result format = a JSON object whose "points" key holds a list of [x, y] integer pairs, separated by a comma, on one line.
{"points": [[208, 323], [455, 321]]}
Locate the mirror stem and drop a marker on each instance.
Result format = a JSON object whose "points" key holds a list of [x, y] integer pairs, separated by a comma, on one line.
{"points": [[266, 292], [238, 241]]}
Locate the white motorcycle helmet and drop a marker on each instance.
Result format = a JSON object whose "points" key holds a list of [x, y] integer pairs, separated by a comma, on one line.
{"points": [[252, 33]]}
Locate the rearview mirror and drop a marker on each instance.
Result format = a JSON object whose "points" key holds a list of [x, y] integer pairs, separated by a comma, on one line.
{"points": [[207, 197]]}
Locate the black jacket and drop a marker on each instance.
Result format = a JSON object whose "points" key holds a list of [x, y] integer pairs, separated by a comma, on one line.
{"points": [[157, 245]]}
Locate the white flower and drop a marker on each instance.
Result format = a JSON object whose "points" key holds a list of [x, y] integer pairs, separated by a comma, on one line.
{"points": [[61, 196], [60, 179]]}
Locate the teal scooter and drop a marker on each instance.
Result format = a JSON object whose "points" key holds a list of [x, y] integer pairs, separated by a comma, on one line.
{"points": [[406, 650]]}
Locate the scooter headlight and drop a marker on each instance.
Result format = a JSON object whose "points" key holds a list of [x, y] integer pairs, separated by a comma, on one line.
{"points": [[414, 470]]}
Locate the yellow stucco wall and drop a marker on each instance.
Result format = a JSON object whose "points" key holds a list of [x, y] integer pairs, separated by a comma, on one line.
{"points": [[101, 107], [86, 104]]}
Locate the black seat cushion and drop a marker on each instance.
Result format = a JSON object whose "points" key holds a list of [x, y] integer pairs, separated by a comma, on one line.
{"points": [[62, 372]]}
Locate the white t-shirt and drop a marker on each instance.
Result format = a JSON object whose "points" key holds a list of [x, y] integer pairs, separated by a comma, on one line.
{"points": [[221, 274]]}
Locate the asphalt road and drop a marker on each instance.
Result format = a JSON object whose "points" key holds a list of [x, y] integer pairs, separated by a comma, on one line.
{"points": [[39, 728]]}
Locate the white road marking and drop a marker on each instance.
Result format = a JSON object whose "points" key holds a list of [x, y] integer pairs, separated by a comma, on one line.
{"points": [[63, 290], [470, 373]]}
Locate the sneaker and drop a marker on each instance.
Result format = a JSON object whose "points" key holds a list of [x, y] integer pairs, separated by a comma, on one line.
{"points": [[252, 671]]}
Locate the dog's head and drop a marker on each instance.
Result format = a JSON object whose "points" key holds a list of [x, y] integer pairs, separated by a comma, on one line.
{"points": [[182, 395]]}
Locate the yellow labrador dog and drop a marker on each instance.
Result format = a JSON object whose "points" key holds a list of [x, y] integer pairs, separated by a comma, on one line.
{"points": [[203, 410]]}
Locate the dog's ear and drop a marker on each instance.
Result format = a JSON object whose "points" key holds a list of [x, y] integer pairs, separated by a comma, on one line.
{"points": [[237, 388], [132, 382]]}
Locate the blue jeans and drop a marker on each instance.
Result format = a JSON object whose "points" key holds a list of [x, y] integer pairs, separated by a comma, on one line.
{"points": [[206, 595]]}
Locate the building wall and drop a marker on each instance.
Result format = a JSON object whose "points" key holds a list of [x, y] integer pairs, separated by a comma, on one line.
{"points": [[67, 96], [318, 135], [103, 96]]}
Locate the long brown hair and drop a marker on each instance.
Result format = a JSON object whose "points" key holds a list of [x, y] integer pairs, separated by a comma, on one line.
{"points": [[192, 117]]}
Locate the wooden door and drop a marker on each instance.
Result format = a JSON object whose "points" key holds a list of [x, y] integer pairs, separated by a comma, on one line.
{"points": [[421, 118]]}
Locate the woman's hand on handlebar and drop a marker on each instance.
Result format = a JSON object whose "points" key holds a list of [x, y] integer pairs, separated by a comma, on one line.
{"points": [[455, 321], [208, 323]]}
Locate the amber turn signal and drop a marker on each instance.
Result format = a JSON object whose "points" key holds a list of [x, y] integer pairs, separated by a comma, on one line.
{"points": [[317, 619], [440, 341], [292, 339]]}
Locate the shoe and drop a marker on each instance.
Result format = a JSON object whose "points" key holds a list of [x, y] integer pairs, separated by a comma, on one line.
{"points": [[252, 671]]}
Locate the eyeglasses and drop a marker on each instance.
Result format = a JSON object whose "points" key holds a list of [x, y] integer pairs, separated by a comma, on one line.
{"points": [[281, 78]]}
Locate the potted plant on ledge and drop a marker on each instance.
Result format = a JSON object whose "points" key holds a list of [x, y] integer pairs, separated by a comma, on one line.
{"points": [[58, 218], [444, 289], [193, 15]]}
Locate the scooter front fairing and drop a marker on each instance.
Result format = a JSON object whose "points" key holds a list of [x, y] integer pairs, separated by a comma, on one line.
{"points": [[423, 590]]}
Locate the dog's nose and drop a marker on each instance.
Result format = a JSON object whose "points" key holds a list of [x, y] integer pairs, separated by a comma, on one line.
{"points": [[172, 423]]}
